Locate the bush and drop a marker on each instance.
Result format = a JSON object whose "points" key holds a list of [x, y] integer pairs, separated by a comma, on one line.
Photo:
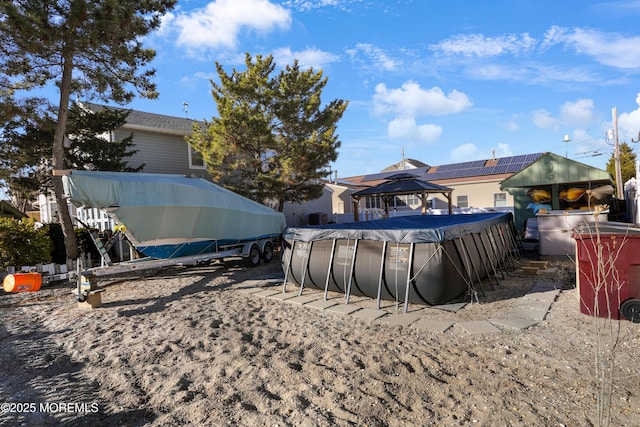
{"points": [[21, 243]]}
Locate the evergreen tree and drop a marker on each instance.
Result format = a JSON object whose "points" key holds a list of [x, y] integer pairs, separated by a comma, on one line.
{"points": [[88, 148], [87, 48], [25, 161], [627, 164], [272, 139]]}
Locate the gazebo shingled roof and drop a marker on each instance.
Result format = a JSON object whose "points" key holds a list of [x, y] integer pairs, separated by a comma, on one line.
{"points": [[401, 184]]}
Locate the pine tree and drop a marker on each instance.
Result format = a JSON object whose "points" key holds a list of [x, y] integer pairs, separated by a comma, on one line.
{"points": [[627, 164], [272, 139], [25, 161], [87, 48]]}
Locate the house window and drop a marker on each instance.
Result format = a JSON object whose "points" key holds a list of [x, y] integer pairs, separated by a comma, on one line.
{"points": [[463, 201], [195, 159], [500, 200], [371, 202], [413, 200]]}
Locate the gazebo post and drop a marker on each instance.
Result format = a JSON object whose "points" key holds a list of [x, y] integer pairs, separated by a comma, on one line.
{"points": [[423, 196], [354, 200]]}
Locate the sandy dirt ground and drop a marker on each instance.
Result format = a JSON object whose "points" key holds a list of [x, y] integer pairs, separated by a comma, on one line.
{"points": [[185, 346]]}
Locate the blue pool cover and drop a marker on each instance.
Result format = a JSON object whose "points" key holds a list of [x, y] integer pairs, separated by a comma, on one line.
{"points": [[404, 229]]}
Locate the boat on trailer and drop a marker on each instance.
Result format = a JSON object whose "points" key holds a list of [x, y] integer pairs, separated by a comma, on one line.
{"points": [[422, 259], [169, 216]]}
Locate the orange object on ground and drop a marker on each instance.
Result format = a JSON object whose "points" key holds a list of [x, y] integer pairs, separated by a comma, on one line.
{"points": [[22, 282]]}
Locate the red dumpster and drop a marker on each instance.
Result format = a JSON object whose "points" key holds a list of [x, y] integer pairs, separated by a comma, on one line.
{"points": [[608, 270]]}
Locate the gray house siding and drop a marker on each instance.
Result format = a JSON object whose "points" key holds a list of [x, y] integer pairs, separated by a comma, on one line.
{"points": [[160, 153]]}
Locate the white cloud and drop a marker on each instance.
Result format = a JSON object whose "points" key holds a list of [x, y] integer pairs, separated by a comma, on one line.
{"points": [[307, 5], [543, 119], [316, 58], [407, 129], [378, 58], [464, 152], [410, 100], [629, 123], [609, 49], [511, 125], [579, 113], [479, 45], [220, 22]]}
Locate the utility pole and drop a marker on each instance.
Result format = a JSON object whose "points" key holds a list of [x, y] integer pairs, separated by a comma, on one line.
{"points": [[616, 155]]}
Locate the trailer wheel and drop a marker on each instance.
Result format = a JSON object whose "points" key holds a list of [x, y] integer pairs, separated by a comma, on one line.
{"points": [[267, 252], [253, 260]]}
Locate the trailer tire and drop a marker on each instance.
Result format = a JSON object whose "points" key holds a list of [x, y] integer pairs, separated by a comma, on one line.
{"points": [[253, 258], [267, 252]]}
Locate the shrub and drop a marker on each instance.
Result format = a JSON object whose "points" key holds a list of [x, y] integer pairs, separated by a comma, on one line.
{"points": [[21, 243]]}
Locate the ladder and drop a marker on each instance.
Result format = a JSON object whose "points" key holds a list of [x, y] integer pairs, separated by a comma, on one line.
{"points": [[106, 259]]}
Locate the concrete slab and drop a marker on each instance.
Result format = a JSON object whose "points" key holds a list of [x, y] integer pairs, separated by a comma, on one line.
{"points": [[539, 264], [304, 299], [546, 296], [433, 325], [250, 290], [268, 292], [399, 319], [478, 327], [322, 304], [283, 296], [251, 282], [514, 322], [545, 286], [342, 308], [369, 314], [451, 307], [528, 313], [533, 304]]}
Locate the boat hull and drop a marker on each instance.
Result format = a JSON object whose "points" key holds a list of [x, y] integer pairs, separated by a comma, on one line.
{"points": [[168, 216]]}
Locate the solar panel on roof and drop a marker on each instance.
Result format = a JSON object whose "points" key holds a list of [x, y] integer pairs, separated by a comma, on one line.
{"points": [[503, 161], [478, 163], [514, 167], [445, 168], [500, 169], [443, 175]]}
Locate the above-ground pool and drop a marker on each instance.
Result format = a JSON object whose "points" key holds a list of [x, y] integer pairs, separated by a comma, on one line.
{"points": [[423, 259]]}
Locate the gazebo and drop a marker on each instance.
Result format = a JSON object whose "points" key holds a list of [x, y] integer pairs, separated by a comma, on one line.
{"points": [[398, 185]]}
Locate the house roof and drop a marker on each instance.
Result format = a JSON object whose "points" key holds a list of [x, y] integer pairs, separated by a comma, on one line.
{"points": [[150, 121], [405, 164], [455, 171], [553, 169], [8, 211]]}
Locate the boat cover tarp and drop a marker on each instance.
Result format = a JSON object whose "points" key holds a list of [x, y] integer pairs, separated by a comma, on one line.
{"points": [[404, 229], [156, 207]]}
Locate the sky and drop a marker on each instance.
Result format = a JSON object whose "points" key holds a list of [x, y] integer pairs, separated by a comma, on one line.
{"points": [[438, 81]]}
